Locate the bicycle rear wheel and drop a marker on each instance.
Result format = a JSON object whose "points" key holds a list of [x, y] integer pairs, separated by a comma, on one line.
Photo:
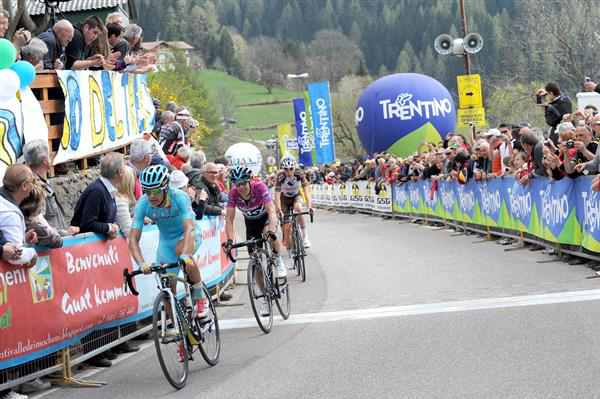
{"points": [[170, 343], [210, 337], [295, 250], [258, 296]]}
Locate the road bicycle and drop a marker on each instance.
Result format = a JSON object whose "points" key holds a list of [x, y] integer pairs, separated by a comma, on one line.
{"points": [[260, 269], [176, 345], [298, 250]]}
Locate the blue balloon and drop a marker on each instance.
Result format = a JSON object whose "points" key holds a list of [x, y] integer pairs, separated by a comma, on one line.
{"points": [[26, 72], [397, 112]]}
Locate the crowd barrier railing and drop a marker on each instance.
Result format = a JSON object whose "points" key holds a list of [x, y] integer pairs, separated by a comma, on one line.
{"points": [[564, 214], [73, 304]]}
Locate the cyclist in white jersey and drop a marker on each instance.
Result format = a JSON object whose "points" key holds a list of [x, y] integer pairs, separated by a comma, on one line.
{"points": [[288, 183]]}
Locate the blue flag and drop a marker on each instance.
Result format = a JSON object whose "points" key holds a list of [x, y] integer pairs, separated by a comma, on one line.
{"points": [[305, 143], [322, 121]]}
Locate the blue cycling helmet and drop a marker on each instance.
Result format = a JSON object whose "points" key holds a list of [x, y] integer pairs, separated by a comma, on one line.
{"points": [[155, 176], [240, 174]]}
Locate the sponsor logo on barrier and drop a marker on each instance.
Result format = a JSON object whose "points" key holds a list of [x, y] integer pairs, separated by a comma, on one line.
{"points": [[447, 198], [342, 196], [520, 202], [400, 195], [382, 197], [40, 279], [405, 109], [356, 196], [555, 210], [491, 201], [415, 197], [466, 200], [591, 210], [368, 198]]}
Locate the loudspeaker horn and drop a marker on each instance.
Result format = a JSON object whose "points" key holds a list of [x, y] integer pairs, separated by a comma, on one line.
{"points": [[443, 44], [473, 43]]}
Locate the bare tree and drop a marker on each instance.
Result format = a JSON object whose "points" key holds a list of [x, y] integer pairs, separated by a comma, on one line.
{"points": [[270, 62], [344, 101], [226, 103], [332, 55], [562, 33]]}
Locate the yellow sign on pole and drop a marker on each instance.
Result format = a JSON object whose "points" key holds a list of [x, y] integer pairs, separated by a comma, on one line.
{"points": [[476, 116], [284, 132], [469, 91]]}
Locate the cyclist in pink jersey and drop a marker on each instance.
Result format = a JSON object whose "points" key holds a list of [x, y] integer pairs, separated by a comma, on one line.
{"points": [[253, 199]]}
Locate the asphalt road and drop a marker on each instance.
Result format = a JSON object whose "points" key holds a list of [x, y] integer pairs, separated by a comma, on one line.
{"points": [[397, 310]]}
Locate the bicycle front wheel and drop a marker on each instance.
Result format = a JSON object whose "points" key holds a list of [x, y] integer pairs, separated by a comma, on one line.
{"points": [[283, 297], [300, 254], [260, 296], [296, 250], [171, 348], [210, 337]]}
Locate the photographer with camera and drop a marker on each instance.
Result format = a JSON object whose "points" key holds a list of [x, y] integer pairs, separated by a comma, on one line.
{"points": [[591, 86], [555, 106], [586, 151]]}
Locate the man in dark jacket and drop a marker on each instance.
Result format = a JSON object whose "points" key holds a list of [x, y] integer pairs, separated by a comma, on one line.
{"points": [[78, 50], [534, 147], [56, 40], [555, 107], [96, 210], [208, 182]]}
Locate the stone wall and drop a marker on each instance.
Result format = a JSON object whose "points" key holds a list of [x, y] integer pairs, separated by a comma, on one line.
{"points": [[69, 187]]}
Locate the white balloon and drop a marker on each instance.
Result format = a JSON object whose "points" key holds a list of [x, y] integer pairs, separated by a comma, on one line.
{"points": [[9, 84], [245, 154]]}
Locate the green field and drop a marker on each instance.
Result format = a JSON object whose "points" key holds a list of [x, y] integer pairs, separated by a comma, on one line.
{"points": [[264, 115], [244, 92]]}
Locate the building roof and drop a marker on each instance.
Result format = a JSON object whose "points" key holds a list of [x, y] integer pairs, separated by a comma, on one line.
{"points": [[178, 45], [36, 7]]}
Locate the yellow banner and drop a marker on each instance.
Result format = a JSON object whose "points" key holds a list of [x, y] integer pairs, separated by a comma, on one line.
{"points": [[469, 91], [284, 132], [476, 116]]}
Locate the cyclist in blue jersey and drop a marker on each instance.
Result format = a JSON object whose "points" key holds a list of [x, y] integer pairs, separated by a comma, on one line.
{"points": [[171, 210]]}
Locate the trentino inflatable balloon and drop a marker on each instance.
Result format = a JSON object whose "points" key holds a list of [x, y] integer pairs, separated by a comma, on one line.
{"points": [[397, 112], [245, 154]]}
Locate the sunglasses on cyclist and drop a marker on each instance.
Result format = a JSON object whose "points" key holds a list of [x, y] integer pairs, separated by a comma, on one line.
{"points": [[153, 191], [288, 169], [241, 183]]}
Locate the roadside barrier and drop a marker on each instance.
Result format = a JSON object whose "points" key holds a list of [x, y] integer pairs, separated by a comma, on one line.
{"points": [[73, 304], [563, 214]]}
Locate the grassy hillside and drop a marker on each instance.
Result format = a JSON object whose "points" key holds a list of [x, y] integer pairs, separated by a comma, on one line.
{"points": [[254, 122]]}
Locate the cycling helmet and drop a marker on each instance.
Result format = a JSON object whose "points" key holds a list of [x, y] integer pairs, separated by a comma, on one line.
{"points": [[288, 162], [239, 174], [155, 176]]}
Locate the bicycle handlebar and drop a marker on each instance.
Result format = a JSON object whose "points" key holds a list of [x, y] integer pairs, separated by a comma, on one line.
{"points": [[227, 248], [291, 214], [155, 269]]}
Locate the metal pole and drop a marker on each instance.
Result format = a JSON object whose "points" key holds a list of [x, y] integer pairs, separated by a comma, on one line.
{"points": [[465, 33]]}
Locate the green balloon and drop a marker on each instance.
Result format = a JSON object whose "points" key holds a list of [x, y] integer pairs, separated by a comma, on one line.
{"points": [[8, 53]]}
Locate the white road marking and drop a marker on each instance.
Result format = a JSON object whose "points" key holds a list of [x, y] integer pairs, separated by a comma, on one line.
{"points": [[429, 308]]}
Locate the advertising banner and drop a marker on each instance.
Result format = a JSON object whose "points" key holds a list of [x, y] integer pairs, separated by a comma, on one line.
{"points": [[383, 198], [103, 110], [305, 141], [322, 121], [21, 120]]}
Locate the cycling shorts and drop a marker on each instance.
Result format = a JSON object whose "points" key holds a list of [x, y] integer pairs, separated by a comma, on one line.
{"points": [[255, 227], [166, 253], [287, 204]]}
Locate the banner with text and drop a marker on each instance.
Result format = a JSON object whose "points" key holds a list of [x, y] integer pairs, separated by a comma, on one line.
{"points": [[322, 121], [305, 142], [103, 110], [566, 211], [21, 120]]}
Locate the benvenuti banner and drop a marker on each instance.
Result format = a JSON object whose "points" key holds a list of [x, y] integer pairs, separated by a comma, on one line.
{"points": [[566, 211], [78, 288], [322, 121], [305, 141]]}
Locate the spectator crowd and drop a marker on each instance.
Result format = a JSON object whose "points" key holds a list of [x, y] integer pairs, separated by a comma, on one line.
{"points": [[91, 44]]}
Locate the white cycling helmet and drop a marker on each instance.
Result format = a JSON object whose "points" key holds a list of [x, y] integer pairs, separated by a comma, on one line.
{"points": [[288, 162]]}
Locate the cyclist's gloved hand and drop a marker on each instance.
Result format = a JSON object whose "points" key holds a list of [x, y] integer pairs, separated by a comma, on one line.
{"points": [[271, 236], [145, 267], [186, 261]]}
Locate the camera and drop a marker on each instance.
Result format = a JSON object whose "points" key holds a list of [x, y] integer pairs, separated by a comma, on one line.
{"points": [[570, 144], [588, 79], [539, 98]]}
